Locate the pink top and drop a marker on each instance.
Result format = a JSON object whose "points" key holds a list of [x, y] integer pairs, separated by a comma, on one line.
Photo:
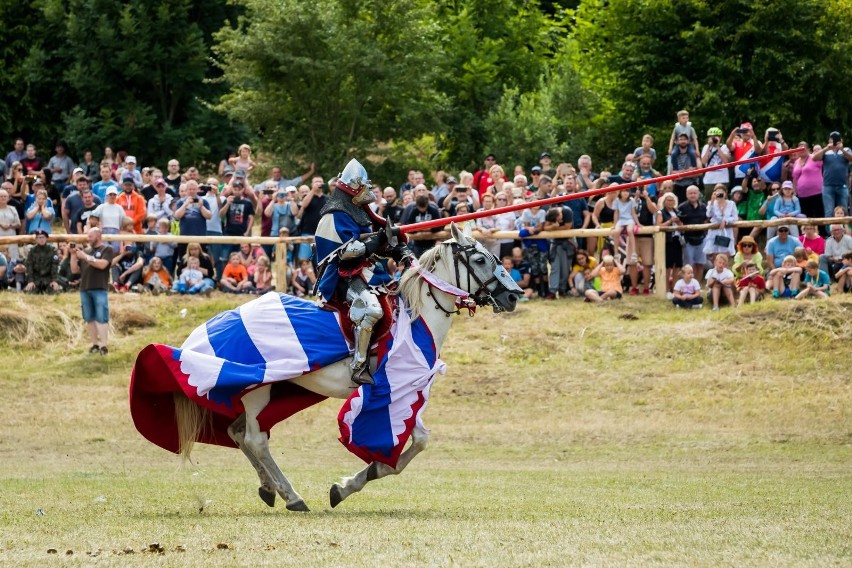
{"points": [[817, 245], [808, 178]]}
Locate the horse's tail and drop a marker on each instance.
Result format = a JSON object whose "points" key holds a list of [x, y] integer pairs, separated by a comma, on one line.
{"points": [[192, 421]]}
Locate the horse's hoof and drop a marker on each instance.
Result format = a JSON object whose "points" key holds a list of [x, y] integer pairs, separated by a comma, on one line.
{"points": [[299, 506], [266, 496], [334, 496]]}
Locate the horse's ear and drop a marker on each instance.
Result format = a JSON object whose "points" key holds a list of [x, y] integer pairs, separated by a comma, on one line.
{"points": [[456, 233], [468, 231]]}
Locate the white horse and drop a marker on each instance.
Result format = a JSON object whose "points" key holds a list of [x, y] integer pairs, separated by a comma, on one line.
{"points": [[431, 290]]}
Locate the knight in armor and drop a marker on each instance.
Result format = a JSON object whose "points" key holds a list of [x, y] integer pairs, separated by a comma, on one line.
{"points": [[350, 240]]}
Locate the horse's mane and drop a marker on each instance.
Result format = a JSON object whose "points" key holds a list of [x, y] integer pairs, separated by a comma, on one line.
{"points": [[411, 285]]}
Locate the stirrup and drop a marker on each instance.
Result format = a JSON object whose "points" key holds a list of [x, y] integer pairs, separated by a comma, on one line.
{"points": [[361, 375]]}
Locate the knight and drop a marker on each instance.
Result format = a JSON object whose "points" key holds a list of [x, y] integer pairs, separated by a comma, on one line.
{"points": [[350, 240]]}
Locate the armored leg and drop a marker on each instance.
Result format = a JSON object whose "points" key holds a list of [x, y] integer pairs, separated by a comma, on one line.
{"points": [[364, 312]]}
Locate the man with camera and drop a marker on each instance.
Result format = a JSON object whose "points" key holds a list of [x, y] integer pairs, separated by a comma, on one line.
{"points": [[192, 212], [238, 213], [461, 193], [835, 169], [744, 144], [92, 262], [715, 153]]}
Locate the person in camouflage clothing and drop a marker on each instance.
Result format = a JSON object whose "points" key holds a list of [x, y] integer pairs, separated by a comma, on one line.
{"points": [[42, 267]]}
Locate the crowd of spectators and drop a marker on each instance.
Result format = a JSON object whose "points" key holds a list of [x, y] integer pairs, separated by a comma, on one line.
{"points": [[723, 264]]}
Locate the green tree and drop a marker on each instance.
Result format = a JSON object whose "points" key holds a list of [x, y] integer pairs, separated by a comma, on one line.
{"points": [[326, 80], [728, 61], [138, 69], [492, 46]]}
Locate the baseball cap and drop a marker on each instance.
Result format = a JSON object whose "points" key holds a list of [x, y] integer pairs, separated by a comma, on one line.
{"points": [[784, 228], [240, 174], [112, 190], [787, 184], [128, 179], [544, 155], [40, 233], [38, 181], [536, 169], [160, 181], [451, 179], [228, 171], [130, 160], [291, 189], [77, 171]]}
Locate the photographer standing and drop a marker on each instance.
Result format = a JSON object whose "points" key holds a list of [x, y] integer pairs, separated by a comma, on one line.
{"points": [[192, 212], [835, 168], [92, 263], [713, 154]]}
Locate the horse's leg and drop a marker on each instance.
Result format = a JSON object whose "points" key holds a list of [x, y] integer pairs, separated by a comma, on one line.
{"points": [[257, 443], [377, 470], [237, 432]]}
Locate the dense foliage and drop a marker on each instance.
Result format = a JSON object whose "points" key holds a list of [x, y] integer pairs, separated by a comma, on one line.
{"points": [[425, 83]]}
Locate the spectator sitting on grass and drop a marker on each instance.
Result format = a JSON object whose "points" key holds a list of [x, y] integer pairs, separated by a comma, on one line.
{"points": [[610, 272], [817, 284], [720, 279], [155, 277], [165, 251], [837, 245], [785, 279], [192, 279], [779, 247], [235, 278], [812, 241], [751, 285], [687, 290], [580, 279], [747, 252], [262, 277], [304, 279], [844, 275]]}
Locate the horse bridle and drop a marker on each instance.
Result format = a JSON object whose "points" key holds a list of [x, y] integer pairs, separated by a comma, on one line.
{"points": [[481, 297]]}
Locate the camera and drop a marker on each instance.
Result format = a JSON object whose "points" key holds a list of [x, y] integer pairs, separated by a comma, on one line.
{"points": [[772, 135], [72, 245], [204, 188], [835, 138], [238, 184], [742, 130], [719, 195], [30, 178], [715, 139]]}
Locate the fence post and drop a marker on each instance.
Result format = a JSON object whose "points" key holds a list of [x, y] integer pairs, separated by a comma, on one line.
{"points": [[660, 276], [281, 266]]}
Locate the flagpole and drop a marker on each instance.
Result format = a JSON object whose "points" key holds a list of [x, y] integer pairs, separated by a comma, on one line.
{"points": [[431, 224]]}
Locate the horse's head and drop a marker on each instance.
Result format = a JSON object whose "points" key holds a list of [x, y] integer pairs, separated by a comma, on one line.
{"points": [[480, 273]]}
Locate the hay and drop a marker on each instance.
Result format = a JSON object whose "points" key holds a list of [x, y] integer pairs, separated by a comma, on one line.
{"points": [[22, 324], [126, 320]]}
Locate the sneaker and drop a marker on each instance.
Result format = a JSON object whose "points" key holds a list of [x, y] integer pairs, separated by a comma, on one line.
{"points": [[94, 349], [775, 294], [669, 296], [677, 307], [116, 287], [715, 308], [523, 299], [698, 306], [634, 291], [646, 292], [634, 258], [550, 296], [104, 350], [207, 292]]}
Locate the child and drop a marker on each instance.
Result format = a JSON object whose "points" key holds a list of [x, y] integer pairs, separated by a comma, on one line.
{"points": [[580, 279], [262, 277], [303, 281], [165, 251], [719, 279], [817, 283], [155, 277], [243, 161], [751, 285], [844, 275], [192, 280], [785, 279], [234, 276], [610, 272], [683, 126], [801, 258], [687, 290], [626, 219]]}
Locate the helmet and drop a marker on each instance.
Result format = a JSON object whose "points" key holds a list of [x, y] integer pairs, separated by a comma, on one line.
{"points": [[715, 131], [353, 180]]}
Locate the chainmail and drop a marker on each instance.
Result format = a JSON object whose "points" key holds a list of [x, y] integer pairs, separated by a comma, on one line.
{"points": [[340, 201]]}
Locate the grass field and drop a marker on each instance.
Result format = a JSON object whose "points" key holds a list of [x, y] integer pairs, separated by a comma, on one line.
{"points": [[562, 434]]}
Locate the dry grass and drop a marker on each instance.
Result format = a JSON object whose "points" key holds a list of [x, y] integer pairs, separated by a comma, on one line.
{"points": [[563, 434]]}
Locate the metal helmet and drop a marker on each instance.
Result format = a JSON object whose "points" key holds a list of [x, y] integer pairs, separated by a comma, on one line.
{"points": [[354, 181], [714, 131]]}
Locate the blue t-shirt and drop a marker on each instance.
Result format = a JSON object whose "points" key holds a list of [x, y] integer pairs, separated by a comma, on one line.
{"points": [[835, 166], [193, 222], [577, 207], [821, 280], [39, 222], [779, 250], [99, 189]]}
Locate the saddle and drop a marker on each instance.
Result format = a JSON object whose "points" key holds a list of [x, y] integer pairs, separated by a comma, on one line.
{"points": [[380, 330]]}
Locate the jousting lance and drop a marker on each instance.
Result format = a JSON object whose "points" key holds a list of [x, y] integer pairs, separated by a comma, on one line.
{"points": [[431, 224]]}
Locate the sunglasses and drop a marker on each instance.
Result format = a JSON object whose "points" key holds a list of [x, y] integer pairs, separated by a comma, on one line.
{"points": [[749, 245]]}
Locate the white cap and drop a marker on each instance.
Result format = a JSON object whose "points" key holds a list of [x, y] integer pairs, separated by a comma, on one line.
{"points": [[130, 159], [112, 190]]}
